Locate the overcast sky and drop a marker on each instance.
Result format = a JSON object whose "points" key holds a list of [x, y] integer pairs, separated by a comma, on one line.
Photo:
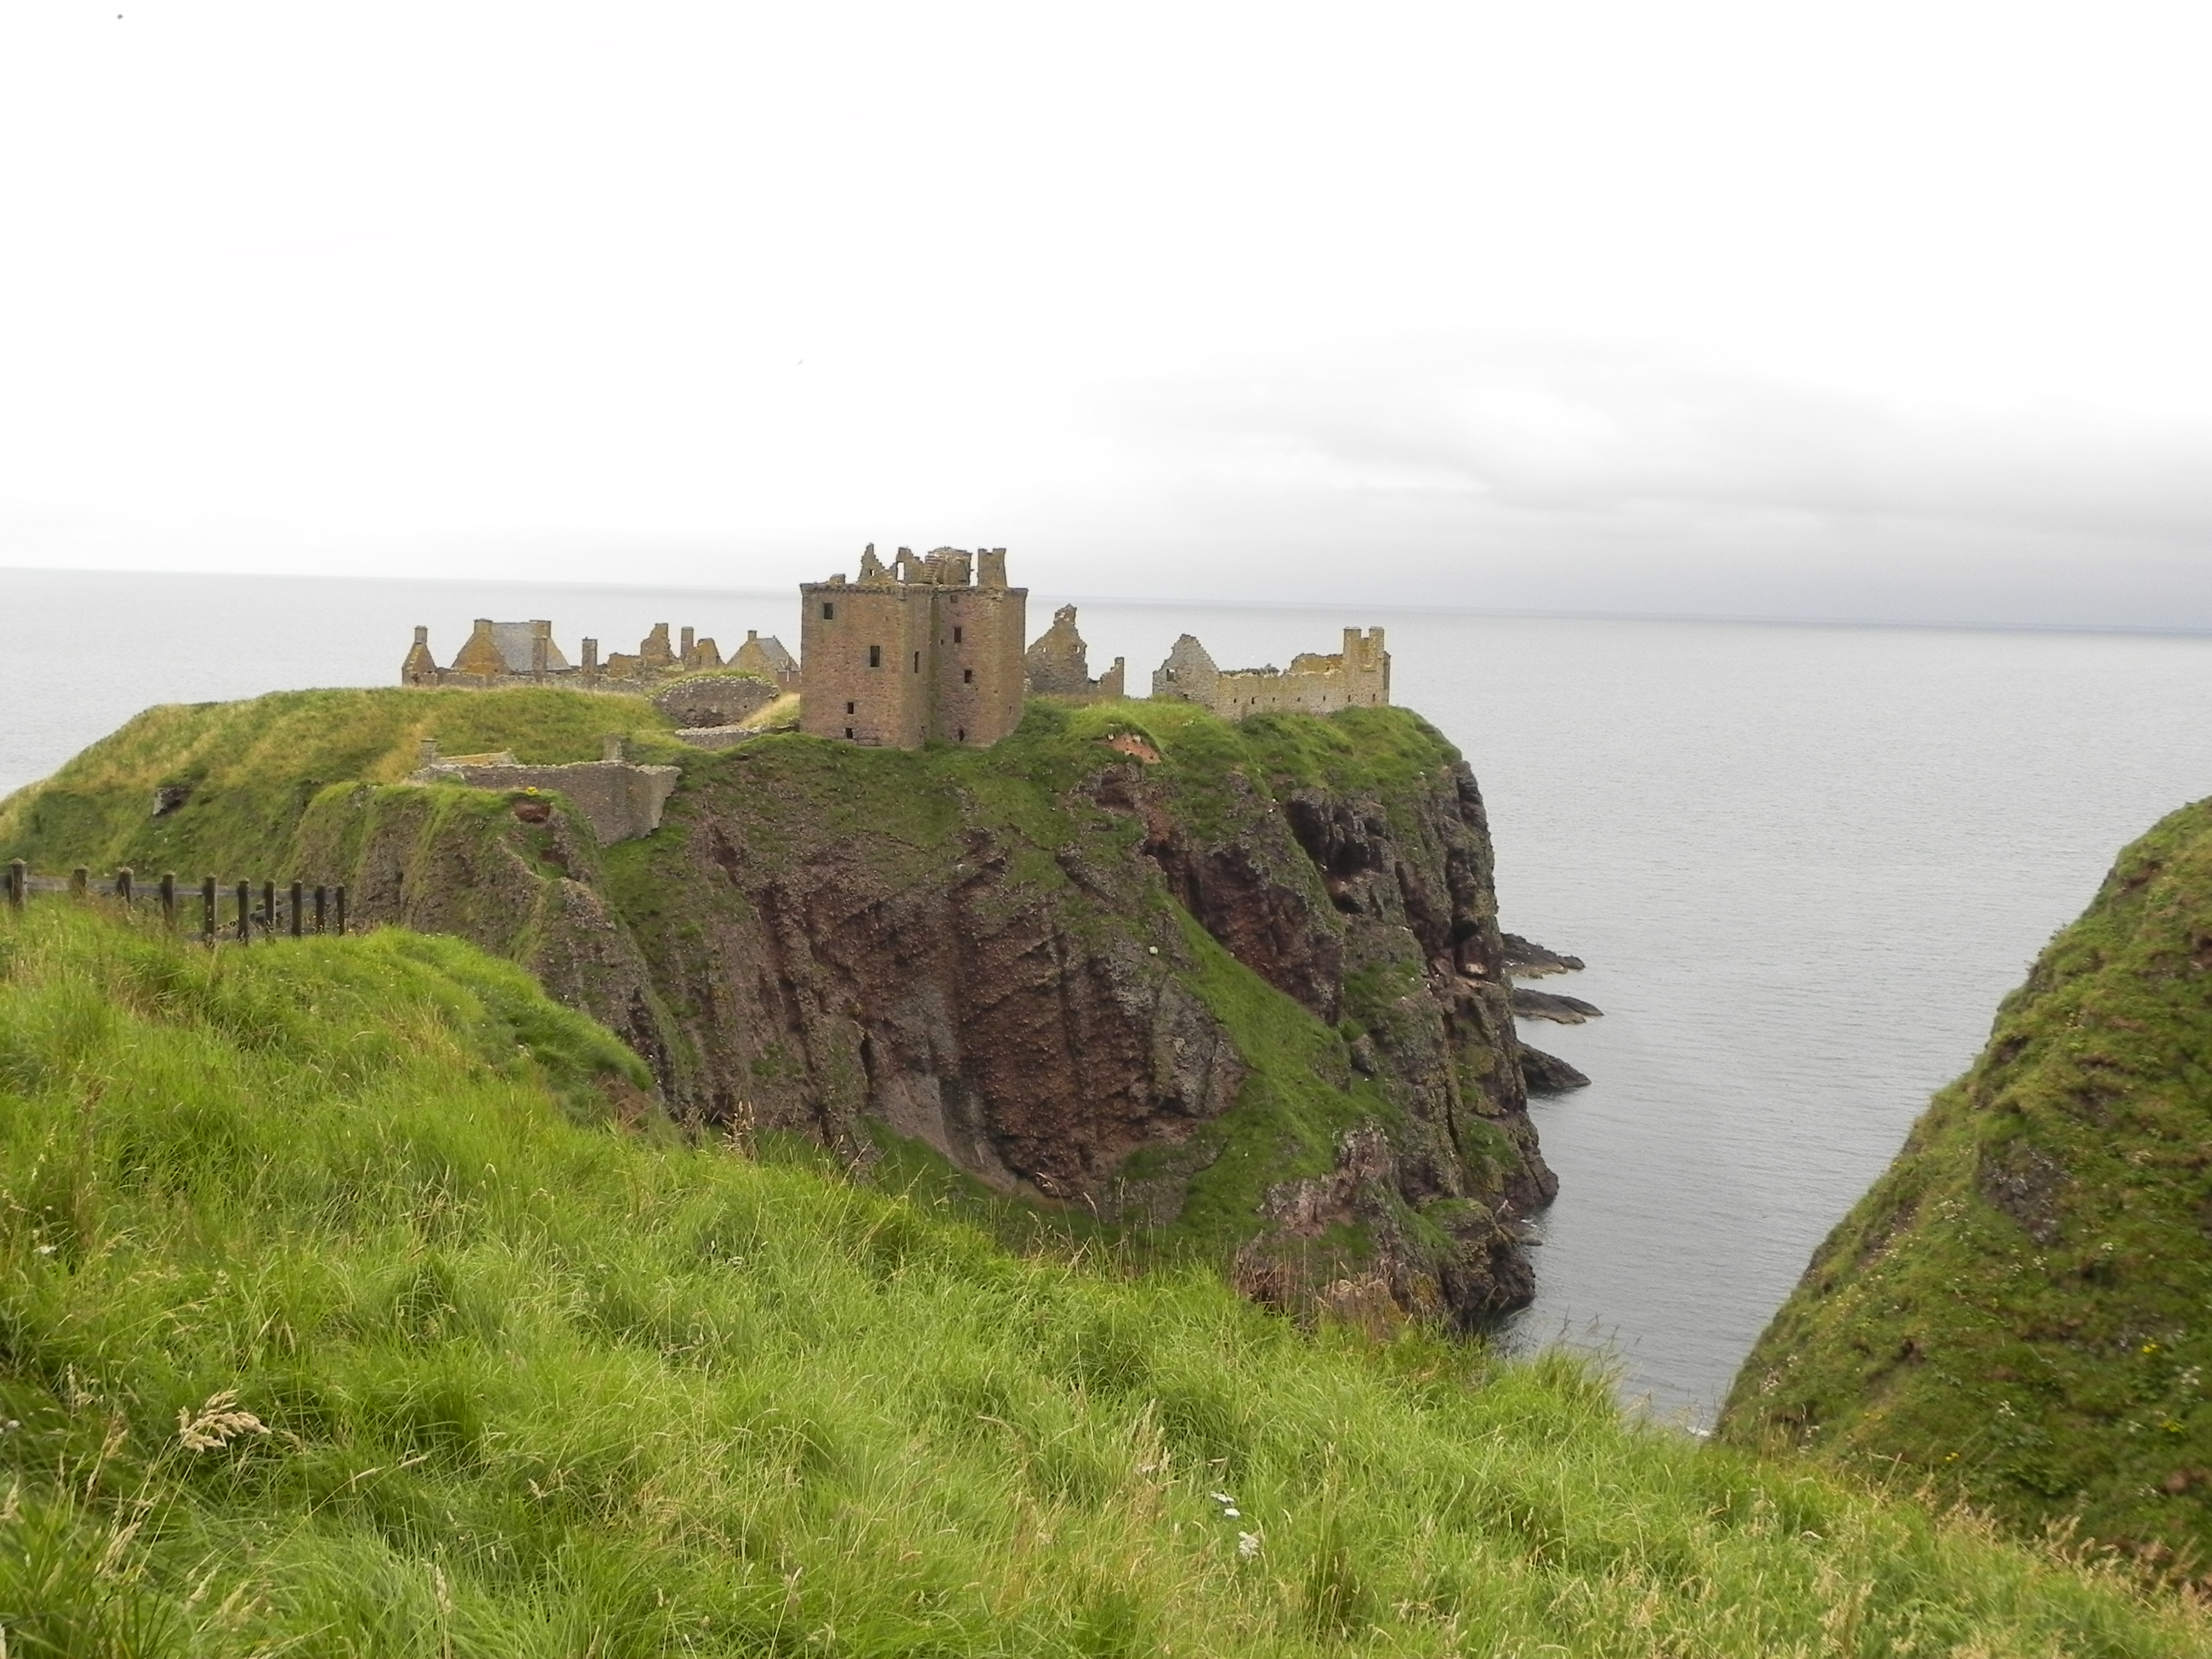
{"points": [[1881, 311]]}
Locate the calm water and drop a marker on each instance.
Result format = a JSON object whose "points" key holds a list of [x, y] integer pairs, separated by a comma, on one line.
{"points": [[1803, 863]]}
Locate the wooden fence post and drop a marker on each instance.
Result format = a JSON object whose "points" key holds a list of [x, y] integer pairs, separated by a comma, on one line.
{"points": [[18, 879], [341, 902], [80, 879], [207, 911], [245, 913], [123, 885], [169, 899], [269, 909], [322, 908], [295, 918]]}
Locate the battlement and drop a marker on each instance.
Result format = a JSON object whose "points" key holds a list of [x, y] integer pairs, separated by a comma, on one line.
{"points": [[1357, 677]]}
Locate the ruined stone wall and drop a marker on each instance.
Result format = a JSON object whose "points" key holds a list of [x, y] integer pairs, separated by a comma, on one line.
{"points": [[1057, 665], [621, 801], [1357, 677], [714, 699]]}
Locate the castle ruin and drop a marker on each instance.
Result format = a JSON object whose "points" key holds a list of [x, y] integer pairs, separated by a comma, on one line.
{"points": [[500, 654], [1057, 665], [927, 649], [1358, 676]]}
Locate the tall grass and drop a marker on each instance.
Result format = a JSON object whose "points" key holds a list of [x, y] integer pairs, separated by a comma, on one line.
{"points": [[347, 1304]]}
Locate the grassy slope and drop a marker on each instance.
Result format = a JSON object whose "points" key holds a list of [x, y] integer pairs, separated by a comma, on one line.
{"points": [[275, 793], [254, 768], [2022, 1305], [533, 1383]]}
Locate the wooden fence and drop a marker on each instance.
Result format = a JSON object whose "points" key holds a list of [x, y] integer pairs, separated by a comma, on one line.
{"points": [[270, 912]]}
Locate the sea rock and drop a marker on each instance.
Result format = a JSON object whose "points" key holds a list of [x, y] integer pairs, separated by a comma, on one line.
{"points": [[1545, 1004]]}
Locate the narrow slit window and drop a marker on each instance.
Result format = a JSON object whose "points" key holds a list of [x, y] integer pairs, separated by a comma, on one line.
{"points": [[917, 662], [963, 734], [850, 709], [968, 675], [875, 656], [956, 637], [829, 611]]}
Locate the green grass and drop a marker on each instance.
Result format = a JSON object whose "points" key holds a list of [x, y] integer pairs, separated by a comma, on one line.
{"points": [[518, 1380], [2022, 1307], [254, 768]]}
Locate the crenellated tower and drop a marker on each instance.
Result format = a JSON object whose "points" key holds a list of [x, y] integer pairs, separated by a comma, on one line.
{"points": [[927, 649]]}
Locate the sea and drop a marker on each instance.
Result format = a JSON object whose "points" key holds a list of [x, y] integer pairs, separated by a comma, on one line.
{"points": [[1802, 863]]}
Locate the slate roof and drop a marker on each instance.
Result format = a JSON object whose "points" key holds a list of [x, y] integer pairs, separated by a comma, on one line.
{"points": [[512, 640]]}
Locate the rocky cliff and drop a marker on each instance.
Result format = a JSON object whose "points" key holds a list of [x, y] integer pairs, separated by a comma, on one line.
{"points": [[1238, 988], [2017, 1311]]}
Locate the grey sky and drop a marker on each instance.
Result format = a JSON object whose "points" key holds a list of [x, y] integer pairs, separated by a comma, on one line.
{"points": [[1879, 311]]}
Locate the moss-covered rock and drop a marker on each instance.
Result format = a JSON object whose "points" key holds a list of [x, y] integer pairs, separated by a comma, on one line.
{"points": [[2022, 1307]]}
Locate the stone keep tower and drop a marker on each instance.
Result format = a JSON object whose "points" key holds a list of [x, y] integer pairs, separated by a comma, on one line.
{"points": [[926, 650]]}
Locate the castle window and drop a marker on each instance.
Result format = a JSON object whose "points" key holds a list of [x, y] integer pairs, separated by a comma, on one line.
{"points": [[963, 734], [875, 656], [917, 662], [849, 731], [829, 614], [968, 675], [850, 709], [956, 637]]}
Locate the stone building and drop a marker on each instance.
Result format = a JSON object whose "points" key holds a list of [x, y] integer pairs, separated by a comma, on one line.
{"points": [[495, 653], [509, 653], [767, 659], [925, 650], [1358, 676], [1057, 665]]}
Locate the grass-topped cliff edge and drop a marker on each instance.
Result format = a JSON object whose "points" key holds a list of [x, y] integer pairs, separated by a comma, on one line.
{"points": [[341, 1313], [2020, 1309], [1142, 968]]}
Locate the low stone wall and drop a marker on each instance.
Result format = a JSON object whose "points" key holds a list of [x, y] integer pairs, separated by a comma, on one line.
{"points": [[715, 700], [621, 801]]}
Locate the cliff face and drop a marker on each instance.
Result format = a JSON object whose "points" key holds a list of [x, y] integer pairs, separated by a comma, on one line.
{"points": [[1241, 988], [2018, 1308]]}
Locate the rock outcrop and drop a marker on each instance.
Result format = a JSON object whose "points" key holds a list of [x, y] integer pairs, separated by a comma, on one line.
{"points": [[2015, 1313]]}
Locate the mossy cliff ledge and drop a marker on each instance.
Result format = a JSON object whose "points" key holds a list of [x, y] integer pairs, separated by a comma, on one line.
{"points": [[1234, 988], [2020, 1309]]}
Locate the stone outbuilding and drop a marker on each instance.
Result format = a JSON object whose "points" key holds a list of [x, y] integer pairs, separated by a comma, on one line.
{"points": [[767, 659]]}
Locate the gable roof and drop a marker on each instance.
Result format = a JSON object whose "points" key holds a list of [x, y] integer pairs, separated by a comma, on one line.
{"points": [[770, 650], [511, 639]]}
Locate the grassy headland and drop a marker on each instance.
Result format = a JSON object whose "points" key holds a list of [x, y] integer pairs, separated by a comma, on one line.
{"points": [[310, 784], [2020, 1309], [340, 1312]]}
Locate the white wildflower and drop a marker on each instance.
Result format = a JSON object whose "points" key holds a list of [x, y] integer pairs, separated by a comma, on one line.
{"points": [[1248, 1546]]}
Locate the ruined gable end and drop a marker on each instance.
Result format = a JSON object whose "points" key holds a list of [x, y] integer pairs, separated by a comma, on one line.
{"points": [[1058, 664]]}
